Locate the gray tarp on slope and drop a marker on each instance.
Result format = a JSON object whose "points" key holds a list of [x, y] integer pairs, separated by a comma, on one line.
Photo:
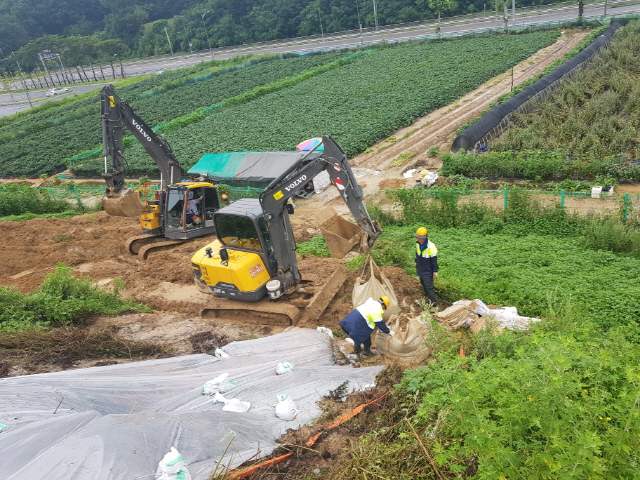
{"points": [[117, 422]]}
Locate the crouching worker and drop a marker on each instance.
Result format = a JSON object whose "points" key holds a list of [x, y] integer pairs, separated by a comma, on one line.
{"points": [[361, 322]]}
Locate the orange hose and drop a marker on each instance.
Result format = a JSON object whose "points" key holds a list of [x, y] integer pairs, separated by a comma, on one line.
{"points": [[247, 472]]}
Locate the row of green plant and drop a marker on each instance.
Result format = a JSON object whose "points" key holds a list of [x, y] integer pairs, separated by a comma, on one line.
{"points": [[61, 300], [543, 164], [463, 182], [358, 104], [597, 109]]}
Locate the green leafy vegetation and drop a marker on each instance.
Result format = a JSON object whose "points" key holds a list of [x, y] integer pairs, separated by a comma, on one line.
{"points": [[61, 300], [17, 199], [597, 111], [316, 246], [547, 164], [43, 142], [359, 104]]}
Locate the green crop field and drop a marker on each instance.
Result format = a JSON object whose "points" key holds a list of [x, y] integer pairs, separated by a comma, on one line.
{"points": [[42, 142], [358, 103]]}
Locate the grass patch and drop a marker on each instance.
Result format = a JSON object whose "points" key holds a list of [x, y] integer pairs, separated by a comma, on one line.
{"points": [[62, 300], [316, 246]]}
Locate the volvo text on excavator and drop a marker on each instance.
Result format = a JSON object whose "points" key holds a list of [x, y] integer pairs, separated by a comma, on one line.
{"points": [[251, 268], [180, 211]]}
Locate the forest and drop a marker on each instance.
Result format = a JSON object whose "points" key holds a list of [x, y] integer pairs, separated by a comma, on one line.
{"points": [[97, 29]]}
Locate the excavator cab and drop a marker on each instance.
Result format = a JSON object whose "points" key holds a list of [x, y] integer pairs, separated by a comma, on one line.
{"points": [[188, 209]]}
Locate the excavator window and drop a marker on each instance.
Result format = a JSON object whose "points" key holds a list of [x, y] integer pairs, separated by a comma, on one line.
{"points": [[237, 231], [175, 204]]}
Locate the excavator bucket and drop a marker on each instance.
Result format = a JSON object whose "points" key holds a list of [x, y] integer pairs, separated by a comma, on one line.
{"points": [[124, 204], [339, 234]]}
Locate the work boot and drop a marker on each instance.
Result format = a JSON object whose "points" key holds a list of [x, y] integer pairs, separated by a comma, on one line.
{"points": [[368, 352], [357, 349]]}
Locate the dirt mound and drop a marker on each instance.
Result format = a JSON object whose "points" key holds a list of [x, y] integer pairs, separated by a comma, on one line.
{"points": [[393, 183]]}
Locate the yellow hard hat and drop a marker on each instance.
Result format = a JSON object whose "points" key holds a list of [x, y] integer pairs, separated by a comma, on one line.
{"points": [[384, 300], [421, 233]]}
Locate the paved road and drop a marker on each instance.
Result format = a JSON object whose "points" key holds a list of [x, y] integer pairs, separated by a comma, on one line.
{"points": [[18, 102]]}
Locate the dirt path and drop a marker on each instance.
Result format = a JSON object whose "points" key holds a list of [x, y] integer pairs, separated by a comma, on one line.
{"points": [[437, 129]]}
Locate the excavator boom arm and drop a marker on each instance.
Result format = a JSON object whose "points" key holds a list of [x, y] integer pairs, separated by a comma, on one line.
{"points": [[115, 113], [274, 199]]}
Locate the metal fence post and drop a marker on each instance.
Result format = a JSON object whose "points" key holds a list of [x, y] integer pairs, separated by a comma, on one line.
{"points": [[102, 190], [626, 206], [506, 194], [75, 189], [562, 198], [52, 195]]}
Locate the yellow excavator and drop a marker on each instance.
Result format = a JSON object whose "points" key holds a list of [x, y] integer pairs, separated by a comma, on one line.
{"points": [[251, 268], [180, 211]]}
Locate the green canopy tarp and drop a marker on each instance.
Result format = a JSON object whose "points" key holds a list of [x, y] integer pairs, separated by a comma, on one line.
{"points": [[248, 168]]}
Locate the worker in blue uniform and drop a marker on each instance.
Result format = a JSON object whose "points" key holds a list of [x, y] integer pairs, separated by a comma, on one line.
{"points": [[361, 322]]}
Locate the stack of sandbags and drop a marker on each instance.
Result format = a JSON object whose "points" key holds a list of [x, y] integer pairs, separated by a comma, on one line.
{"points": [[473, 314], [407, 345], [459, 315]]}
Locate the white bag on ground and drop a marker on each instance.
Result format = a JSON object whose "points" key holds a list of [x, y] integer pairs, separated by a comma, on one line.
{"points": [[286, 409], [218, 384], [407, 345], [236, 405], [284, 367], [173, 467], [325, 330], [233, 405], [374, 288], [219, 353]]}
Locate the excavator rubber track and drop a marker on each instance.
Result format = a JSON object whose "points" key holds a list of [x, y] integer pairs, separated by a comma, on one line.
{"points": [[307, 304], [142, 245]]}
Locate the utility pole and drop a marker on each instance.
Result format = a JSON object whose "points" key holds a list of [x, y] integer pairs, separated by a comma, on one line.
{"points": [[25, 84], [171, 46], [513, 11], [44, 65], [375, 14], [605, 8], [359, 23], [205, 31], [320, 18]]}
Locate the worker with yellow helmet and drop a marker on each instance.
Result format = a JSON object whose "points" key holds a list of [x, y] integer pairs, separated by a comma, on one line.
{"points": [[426, 264], [361, 322]]}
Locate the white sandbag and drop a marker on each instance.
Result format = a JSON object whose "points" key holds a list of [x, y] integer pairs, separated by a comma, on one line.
{"points": [[374, 288], [325, 330], [233, 405], [481, 308], [236, 405], [286, 409], [350, 340], [284, 367], [219, 384], [173, 467], [219, 353]]}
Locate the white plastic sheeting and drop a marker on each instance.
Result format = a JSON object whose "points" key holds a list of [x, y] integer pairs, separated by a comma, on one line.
{"points": [[117, 422]]}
